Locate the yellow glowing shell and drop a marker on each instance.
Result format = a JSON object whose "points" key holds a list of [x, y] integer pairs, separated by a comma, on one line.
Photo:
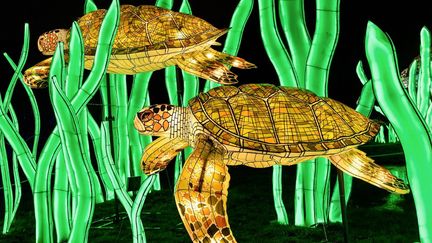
{"points": [[280, 119], [148, 37], [146, 28]]}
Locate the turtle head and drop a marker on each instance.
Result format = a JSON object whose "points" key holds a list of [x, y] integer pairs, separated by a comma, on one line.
{"points": [[47, 42], [155, 120]]}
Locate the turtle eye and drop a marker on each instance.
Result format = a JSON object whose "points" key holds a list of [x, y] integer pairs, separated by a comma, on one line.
{"points": [[145, 115]]}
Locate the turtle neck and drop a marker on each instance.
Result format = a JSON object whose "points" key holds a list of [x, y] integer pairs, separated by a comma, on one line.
{"points": [[180, 123]]}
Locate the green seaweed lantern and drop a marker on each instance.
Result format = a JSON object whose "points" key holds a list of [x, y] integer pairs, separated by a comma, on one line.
{"points": [[78, 102], [256, 125], [39, 175], [409, 113], [10, 203]]}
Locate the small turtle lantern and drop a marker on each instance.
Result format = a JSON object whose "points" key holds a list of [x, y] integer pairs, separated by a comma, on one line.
{"points": [[148, 38]]}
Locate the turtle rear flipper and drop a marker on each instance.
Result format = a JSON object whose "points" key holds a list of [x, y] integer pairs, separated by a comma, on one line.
{"points": [[213, 65], [227, 59], [160, 152], [355, 163]]}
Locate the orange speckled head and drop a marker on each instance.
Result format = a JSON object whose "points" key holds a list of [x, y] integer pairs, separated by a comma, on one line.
{"points": [[154, 120], [47, 42]]}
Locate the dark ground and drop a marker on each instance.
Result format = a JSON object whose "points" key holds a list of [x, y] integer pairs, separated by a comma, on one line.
{"points": [[250, 208]]}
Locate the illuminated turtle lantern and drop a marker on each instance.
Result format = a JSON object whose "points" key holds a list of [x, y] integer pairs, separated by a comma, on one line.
{"points": [[148, 38], [257, 125]]}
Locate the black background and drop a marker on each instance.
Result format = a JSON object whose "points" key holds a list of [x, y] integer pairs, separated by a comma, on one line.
{"points": [[402, 20]]}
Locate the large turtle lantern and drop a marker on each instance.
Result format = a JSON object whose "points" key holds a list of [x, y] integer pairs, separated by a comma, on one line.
{"points": [[256, 125]]}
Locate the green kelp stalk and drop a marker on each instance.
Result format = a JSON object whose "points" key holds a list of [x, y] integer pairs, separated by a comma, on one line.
{"points": [[63, 186], [136, 101], [309, 69], [405, 114], [121, 190], [92, 126], [83, 193], [10, 203], [10, 132], [44, 227]]}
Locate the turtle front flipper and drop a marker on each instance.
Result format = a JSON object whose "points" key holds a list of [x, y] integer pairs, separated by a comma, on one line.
{"points": [[160, 152], [355, 163], [37, 76], [213, 65], [201, 195]]}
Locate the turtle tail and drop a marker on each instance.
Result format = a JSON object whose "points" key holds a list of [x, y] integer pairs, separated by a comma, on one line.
{"points": [[213, 65], [355, 163]]}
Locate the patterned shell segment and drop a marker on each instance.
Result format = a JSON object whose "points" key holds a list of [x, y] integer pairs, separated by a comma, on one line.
{"points": [[146, 28], [280, 119]]}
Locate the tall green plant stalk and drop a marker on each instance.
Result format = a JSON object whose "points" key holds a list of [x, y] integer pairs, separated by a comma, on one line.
{"points": [[18, 74], [8, 130], [15, 171], [7, 187], [61, 203], [66, 187], [72, 83], [139, 236], [79, 101], [293, 24], [11, 203], [121, 190], [75, 156], [137, 99], [406, 118]]}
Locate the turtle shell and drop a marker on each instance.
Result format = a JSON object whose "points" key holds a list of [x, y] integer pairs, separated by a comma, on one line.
{"points": [[265, 117], [146, 28]]}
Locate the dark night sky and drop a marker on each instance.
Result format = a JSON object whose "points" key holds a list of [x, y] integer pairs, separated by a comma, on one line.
{"points": [[402, 21]]}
